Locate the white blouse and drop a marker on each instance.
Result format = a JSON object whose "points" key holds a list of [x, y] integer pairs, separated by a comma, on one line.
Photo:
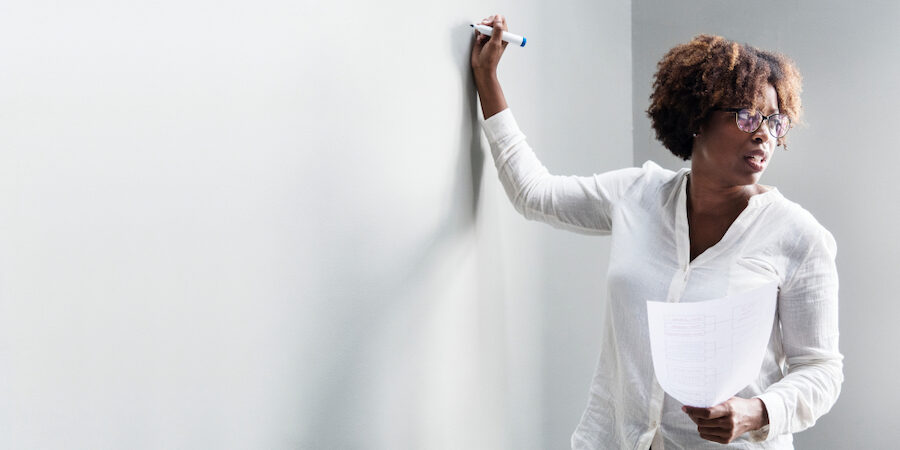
{"points": [[644, 211]]}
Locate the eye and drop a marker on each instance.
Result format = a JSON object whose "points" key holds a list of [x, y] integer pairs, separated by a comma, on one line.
{"points": [[748, 120], [780, 124]]}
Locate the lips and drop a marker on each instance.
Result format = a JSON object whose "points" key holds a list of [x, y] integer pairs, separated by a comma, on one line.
{"points": [[759, 154], [756, 160]]}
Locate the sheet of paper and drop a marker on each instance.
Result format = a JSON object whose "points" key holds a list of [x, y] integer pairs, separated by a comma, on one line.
{"points": [[705, 352]]}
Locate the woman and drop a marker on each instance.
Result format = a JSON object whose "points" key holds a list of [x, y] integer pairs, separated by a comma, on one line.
{"points": [[696, 234]]}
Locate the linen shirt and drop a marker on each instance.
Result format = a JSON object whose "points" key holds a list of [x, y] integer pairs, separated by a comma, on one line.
{"points": [[644, 210]]}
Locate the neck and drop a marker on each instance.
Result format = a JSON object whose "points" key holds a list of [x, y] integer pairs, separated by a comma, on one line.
{"points": [[709, 196]]}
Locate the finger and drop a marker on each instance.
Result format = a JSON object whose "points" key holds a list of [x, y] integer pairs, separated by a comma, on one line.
{"points": [[497, 34], [487, 21], [694, 419], [502, 21], [712, 412], [714, 429], [714, 438], [696, 413], [717, 422], [714, 432]]}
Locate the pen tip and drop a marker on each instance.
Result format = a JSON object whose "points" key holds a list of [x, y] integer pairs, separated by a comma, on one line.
{"points": [[472, 25]]}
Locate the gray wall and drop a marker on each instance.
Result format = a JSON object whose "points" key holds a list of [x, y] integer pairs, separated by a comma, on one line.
{"points": [[841, 167], [273, 225]]}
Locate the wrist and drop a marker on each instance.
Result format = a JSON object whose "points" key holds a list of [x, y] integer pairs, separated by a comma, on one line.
{"points": [[490, 93], [763, 413], [483, 76]]}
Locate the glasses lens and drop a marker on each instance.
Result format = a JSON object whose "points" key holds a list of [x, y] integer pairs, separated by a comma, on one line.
{"points": [[779, 125], [748, 121]]}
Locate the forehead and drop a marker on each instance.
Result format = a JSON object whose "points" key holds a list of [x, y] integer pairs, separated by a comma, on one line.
{"points": [[768, 101]]}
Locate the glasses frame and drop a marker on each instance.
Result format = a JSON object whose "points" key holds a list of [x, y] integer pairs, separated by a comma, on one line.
{"points": [[765, 119]]}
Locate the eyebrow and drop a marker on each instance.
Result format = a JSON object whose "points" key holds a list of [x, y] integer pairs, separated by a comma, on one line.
{"points": [[774, 112]]}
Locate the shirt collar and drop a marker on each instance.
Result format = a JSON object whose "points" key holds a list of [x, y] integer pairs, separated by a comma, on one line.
{"points": [[770, 196]]}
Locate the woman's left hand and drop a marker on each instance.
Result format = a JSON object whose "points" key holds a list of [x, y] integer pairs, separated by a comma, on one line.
{"points": [[726, 421]]}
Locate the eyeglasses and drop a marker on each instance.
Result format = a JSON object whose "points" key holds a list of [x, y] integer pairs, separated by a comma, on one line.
{"points": [[748, 121]]}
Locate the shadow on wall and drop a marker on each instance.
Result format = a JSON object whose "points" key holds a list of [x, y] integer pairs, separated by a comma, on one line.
{"points": [[471, 127], [379, 298]]}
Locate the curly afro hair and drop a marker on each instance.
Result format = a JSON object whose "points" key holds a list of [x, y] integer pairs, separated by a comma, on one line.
{"points": [[710, 72]]}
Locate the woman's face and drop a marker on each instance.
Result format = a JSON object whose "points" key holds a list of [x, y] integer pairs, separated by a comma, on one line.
{"points": [[725, 153]]}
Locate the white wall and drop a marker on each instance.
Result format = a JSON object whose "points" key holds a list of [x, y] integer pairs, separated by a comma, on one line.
{"points": [[841, 167], [272, 225]]}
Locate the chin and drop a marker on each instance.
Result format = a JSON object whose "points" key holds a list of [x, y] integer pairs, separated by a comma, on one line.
{"points": [[749, 178]]}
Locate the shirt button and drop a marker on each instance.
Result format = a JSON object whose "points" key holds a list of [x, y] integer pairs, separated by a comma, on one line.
{"points": [[654, 424]]}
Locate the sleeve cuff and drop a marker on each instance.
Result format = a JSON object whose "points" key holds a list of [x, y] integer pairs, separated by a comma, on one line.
{"points": [[775, 409], [500, 126]]}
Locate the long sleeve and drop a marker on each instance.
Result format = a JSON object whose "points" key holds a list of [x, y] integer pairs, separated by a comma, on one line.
{"points": [[808, 310], [581, 204]]}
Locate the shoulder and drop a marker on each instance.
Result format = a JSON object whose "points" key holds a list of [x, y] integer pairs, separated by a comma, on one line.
{"points": [[810, 251], [649, 176], [657, 172], [660, 185], [803, 233]]}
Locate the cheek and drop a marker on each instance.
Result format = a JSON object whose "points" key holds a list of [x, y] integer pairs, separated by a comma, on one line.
{"points": [[728, 145], [728, 134]]}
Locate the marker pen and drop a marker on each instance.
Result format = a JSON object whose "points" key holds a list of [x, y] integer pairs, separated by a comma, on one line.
{"points": [[507, 36]]}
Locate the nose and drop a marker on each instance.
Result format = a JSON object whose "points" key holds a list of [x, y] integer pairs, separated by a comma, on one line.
{"points": [[762, 135]]}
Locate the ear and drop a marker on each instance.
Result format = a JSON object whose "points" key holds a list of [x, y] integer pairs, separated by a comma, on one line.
{"points": [[703, 126]]}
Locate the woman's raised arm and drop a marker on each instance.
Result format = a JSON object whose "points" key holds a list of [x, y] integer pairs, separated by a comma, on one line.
{"points": [[486, 53]]}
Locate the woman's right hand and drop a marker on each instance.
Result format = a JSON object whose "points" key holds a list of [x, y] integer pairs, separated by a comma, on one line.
{"points": [[487, 50]]}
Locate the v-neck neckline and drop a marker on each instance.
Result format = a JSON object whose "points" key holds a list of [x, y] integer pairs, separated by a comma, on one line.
{"points": [[682, 229]]}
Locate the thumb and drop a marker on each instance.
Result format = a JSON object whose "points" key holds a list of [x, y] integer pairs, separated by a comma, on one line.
{"points": [[720, 410]]}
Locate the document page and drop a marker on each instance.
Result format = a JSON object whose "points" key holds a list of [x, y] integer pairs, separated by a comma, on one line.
{"points": [[705, 352]]}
